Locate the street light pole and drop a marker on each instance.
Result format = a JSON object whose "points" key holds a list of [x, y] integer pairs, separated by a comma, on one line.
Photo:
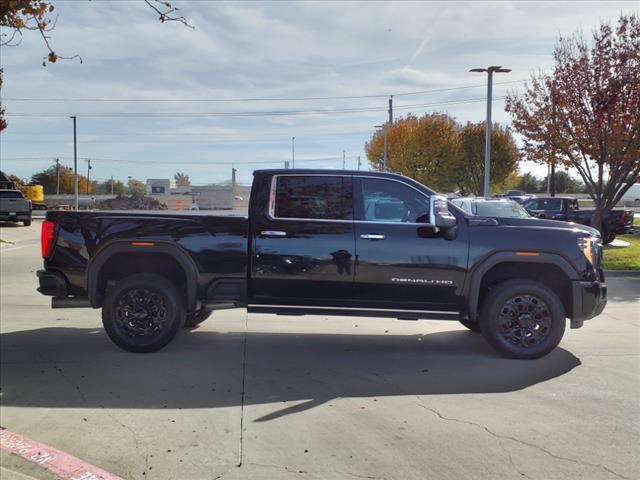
{"points": [[75, 163], [487, 143]]}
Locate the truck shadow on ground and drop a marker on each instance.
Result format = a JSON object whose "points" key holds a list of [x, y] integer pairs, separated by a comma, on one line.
{"points": [[81, 368]]}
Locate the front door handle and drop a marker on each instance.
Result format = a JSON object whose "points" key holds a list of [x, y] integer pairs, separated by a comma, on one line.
{"points": [[372, 236], [273, 233]]}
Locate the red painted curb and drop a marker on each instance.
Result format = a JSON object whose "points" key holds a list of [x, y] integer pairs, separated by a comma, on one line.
{"points": [[61, 464]]}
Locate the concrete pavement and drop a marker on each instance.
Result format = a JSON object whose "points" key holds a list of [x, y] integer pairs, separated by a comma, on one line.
{"points": [[324, 398]]}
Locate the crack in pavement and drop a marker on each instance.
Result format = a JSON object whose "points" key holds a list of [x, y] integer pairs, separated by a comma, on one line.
{"points": [[521, 442]]}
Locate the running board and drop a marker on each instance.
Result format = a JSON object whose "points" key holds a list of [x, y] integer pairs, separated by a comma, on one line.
{"points": [[70, 302], [356, 312]]}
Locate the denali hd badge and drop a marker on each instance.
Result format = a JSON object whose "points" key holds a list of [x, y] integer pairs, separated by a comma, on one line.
{"points": [[425, 281]]}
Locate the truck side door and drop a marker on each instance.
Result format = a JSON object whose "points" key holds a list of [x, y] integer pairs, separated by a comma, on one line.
{"points": [[401, 262], [303, 241]]}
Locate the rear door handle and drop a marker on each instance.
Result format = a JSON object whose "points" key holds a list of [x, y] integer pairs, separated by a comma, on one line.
{"points": [[273, 233], [372, 236]]}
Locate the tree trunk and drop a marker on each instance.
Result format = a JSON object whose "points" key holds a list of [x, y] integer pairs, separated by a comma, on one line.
{"points": [[552, 180], [596, 219]]}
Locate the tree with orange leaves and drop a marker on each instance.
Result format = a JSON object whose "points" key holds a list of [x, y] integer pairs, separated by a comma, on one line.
{"points": [[585, 114]]}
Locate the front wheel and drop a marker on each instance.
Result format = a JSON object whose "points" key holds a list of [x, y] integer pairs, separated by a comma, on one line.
{"points": [[522, 319], [27, 222], [143, 312]]}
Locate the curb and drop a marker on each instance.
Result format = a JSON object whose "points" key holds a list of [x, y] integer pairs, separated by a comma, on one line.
{"points": [[622, 273]]}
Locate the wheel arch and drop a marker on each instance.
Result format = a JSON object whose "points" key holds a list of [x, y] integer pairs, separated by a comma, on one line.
{"points": [[546, 268], [96, 284]]}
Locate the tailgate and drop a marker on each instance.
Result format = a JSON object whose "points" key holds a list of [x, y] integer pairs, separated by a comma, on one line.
{"points": [[14, 205]]}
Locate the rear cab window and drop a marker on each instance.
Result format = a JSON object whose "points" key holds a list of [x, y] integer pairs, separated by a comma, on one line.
{"points": [[313, 197], [11, 194]]}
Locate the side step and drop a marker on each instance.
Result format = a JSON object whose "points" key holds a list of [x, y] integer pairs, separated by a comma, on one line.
{"points": [[355, 312], [70, 302]]}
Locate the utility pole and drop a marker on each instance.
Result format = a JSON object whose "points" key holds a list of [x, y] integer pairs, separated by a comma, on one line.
{"points": [[391, 110], [111, 184], [487, 144], [343, 159], [57, 160], [88, 175], [359, 163], [233, 177], [293, 152], [75, 163]]}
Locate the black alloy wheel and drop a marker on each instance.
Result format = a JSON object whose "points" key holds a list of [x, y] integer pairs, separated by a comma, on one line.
{"points": [[143, 312], [522, 318]]}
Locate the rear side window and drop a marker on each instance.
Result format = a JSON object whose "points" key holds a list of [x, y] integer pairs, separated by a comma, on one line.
{"points": [[313, 197], [10, 194]]}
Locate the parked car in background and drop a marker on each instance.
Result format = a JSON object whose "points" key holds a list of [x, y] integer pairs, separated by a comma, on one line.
{"points": [[633, 194], [491, 207], [517, 195], [566, 209], [14, 207], [327, 242]]}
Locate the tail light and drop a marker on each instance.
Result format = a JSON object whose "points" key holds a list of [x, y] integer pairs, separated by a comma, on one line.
{"points": [[47, 238]]}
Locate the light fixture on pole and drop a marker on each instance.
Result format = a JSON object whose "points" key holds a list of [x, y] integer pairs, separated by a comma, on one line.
{"points": [[487, 146]]}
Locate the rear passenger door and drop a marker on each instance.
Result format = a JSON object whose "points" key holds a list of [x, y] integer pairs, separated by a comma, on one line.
{"points": [[304, 247]]}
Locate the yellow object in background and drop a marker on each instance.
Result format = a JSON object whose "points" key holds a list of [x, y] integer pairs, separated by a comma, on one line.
{"points": [[35, 193]]}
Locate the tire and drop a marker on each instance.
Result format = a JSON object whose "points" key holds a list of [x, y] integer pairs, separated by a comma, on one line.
{"points": [[156, 300], [539, 325], [473, 326], [607, 238], [27, 222], [194, 319]]}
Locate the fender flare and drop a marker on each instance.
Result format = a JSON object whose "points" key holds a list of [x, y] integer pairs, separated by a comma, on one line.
{"points": [[510, 257], [176, 252]]}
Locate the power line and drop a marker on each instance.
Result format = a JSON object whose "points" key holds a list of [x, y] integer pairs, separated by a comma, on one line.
{"points": [[249, 114], [266, 99], [172, 162]]}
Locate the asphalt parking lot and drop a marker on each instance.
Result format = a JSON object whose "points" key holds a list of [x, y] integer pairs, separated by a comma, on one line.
{"points": [[261, 397]]}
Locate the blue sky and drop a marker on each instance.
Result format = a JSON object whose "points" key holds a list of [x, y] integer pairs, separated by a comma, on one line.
{"points": [[262, 50]]}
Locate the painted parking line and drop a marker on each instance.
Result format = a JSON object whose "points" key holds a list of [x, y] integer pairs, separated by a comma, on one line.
{"points": [[59, 463]]}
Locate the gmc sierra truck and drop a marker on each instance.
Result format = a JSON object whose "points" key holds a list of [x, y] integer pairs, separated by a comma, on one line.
{"points": [[328, 242]]}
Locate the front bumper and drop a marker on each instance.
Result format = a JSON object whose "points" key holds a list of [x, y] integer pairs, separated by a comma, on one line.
{"points": [[589, 299], [52, 283]]}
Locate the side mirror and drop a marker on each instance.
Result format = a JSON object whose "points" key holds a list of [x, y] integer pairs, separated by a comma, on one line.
{"points": [[439, 214]]}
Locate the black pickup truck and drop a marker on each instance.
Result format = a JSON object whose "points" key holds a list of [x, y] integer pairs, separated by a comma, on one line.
{"points": [[329, 242], [566, 209]]}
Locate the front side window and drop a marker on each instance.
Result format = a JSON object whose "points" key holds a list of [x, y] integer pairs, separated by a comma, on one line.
{"points": [[390, 201], [313, 197]]}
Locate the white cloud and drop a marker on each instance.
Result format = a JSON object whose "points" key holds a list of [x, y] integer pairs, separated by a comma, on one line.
{"points": [[264, 49]]}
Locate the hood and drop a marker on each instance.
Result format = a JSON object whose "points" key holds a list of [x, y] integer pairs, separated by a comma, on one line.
{"points": [[544, 223]]}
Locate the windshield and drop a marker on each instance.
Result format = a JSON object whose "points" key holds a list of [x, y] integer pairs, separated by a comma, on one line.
{"points": [[499, 209]]}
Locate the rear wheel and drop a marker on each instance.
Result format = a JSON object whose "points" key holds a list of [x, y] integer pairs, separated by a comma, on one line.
{"points": [[143, 312], [473, 326], [27, 222], [522, 319]]}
